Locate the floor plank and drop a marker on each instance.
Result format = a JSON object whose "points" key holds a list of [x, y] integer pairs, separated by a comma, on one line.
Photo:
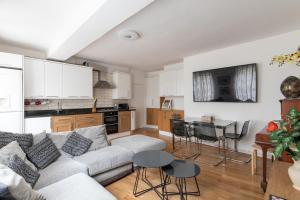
{"points": [[231, 182]]}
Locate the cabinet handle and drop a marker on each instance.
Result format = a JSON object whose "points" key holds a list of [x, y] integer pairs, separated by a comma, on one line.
{"points": [[52, 96]]}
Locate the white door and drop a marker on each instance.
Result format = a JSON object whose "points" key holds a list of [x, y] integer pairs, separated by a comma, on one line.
{"points": [[34, 78], [70, 81], [11, 60], [149, 92], [85, 83], [11, 95], [53, 80], [11, 122]]}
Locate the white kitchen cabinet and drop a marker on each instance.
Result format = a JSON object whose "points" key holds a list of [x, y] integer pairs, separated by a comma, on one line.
{"points": [[180, 82], [171, 83], [34, 78], [168, 83], [53, 80], [37, 125], [152, 92], [11, 60], [77, 82], [122, 83]]}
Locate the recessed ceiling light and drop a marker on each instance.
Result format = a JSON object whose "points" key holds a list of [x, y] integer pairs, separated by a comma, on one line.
{"points": [[129, 35]]}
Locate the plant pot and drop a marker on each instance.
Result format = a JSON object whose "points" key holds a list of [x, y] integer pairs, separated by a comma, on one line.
{"points": [[290, 87], [294, 174]]}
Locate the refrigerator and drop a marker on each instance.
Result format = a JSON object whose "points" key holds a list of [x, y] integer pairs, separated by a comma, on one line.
{"points": [[11, 99]]}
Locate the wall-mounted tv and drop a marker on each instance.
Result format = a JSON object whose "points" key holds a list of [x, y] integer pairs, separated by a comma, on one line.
{"points": [[230, 84]]}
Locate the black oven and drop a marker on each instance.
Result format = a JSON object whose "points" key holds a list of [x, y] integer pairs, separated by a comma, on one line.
{"points": [[111, 121]]}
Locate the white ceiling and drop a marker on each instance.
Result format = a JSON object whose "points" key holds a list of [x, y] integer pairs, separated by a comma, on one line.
{"points": [[170, 29], [39, 24], [173, 29]]}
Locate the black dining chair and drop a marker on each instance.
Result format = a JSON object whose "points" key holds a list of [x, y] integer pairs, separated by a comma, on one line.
{"points": [[236, 138], [180, 129], [207, 132]]}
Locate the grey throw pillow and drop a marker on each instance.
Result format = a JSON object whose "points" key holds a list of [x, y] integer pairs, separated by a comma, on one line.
{"points": [[21, 168], [97, 134], [25, 140], [43, 153], [76, 144]]}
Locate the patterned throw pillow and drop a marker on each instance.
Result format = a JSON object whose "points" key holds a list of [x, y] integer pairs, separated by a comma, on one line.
{"points": [[43, 153], [76, 144], [24, 170], [25, 140]]}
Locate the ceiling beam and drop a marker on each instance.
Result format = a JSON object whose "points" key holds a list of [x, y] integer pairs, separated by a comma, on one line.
{"points": [[109, 15]]}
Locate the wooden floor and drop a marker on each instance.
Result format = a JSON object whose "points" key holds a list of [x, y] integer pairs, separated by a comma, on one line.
{"points": [[231, 182]]}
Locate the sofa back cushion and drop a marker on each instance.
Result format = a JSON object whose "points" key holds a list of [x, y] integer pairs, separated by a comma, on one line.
{"points": [[95, 133]]}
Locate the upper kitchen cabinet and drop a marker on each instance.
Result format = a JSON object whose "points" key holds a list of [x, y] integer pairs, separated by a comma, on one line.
{"points": [[11, 60], [53, 80], [171, 82], [45, 79], [77, 82], [180, 82], [122, 83], [34, 78], [152, 92]]}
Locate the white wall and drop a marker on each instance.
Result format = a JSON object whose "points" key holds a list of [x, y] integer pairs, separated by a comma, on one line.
{"points": [[269, 79]]}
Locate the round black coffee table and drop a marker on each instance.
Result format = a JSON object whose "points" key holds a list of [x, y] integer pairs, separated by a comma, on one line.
{"points": [[181, 169], [150, 159]]}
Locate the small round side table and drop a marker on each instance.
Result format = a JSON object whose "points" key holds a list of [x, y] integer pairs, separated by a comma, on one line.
{"points": [[150, 159], [180, 170]]}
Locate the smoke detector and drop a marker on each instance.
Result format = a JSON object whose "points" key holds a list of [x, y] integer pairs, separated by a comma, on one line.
{"points": [[129, 35]]}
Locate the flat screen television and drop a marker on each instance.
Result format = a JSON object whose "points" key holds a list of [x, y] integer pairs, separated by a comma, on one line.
{"points": [[230, 84]]}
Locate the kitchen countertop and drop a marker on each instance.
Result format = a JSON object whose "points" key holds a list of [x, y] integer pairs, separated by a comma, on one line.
{"points": [[50, 113]]}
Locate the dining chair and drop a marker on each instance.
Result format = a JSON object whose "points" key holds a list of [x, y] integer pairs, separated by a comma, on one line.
{"points": [[207, 132], [236, 138], [180, 129]]}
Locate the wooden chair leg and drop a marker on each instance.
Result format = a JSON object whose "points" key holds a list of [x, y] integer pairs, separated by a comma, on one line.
{"points": [[254, 162]]}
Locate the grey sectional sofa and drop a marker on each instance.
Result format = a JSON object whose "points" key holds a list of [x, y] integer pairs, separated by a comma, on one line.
{"points": [[103, 165]]}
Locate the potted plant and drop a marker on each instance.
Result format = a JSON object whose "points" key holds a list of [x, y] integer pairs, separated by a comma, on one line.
{"points": [[286, 138]]}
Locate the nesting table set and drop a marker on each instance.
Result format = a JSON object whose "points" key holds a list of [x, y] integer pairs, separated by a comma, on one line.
{"points": [[167, 167]]}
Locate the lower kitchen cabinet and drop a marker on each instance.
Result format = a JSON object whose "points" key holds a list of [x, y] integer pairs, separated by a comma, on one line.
{"points": [[152, 116], [71, 122], [164, 117], [124, 121]]}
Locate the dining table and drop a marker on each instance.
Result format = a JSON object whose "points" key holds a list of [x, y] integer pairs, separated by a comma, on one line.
{"points": [[218, 124]]}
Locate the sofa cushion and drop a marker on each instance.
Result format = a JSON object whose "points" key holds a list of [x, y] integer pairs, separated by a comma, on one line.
{"points": [[97, 134], [43, 153], [62, 168], [105, 159], [76, 187], [24, 170], [25, 140], [59, 139], [11, 149], [138, 143], [13, 186], [76, 144]]}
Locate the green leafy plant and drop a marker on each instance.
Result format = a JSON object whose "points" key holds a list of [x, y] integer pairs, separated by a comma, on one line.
{"points": [[287, 136]]}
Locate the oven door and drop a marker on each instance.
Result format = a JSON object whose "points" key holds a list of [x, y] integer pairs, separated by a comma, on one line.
{"points": [[111, 120], [110, 129]]}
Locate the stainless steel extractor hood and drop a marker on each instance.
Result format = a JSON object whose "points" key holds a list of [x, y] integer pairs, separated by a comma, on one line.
{"points": [[102, 84]]}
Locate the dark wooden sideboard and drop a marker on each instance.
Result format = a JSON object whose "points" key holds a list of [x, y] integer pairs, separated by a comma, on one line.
{"points": [[262, 138]]}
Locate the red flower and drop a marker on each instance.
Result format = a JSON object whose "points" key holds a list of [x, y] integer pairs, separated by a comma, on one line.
{"points": [[272, 126]]}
